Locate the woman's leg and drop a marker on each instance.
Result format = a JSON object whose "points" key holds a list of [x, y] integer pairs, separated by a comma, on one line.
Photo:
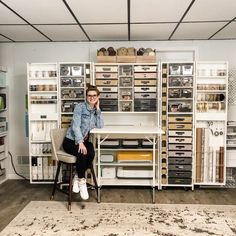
{"points": [[83, 162], [90, 154]]}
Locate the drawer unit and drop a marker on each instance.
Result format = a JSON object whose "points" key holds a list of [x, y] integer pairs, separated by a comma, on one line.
{"points": [[180, 161], [180, 106], [145, 82], [145, 105], [68, 106], [145, 75], [106, 75], [145, 68], [145, 89], [180, 126], [180, 140], [109, 108], [145, 95], [180, 154], [146, 144], [126, 94], [126, 81], [72, 82], [134, 156], [177, 110], [109, 102], [175, 69], [180, 167], [180, 93], [182, 147], [125, 70], [126, 106], [72, 93], [108, 96], [130, 143], [108, 89], [187, 69], [107, 82], [181, 133], [180, 81], [180, 119], [179, 174], [105, 68], [110, 143], [180, 181]]}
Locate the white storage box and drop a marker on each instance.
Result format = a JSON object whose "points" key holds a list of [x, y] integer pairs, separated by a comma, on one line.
{"points": [[134, 172], [107, 158], [109, 172]]}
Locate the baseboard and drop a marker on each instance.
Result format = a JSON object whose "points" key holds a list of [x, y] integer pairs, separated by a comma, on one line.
{"points": [[15, 176]]}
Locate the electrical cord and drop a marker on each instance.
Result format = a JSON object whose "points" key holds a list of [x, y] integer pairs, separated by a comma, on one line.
{"points": [[15, 168]]}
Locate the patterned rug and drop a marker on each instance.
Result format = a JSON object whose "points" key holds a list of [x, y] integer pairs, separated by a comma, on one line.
{"points": [[116, 219]]}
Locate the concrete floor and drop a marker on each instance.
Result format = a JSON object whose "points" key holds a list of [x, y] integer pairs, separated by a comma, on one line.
{"points": [[16, 194]]}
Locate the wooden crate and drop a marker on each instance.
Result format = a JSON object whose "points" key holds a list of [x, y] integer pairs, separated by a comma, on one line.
{"points": [[127, 59], [106, 59], [146, 59]]}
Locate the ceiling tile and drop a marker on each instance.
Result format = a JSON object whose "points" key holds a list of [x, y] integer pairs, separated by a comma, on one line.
{"points": [[102, 11], [63, 32], [158, 10], [21, 33], [197, 30], [107, 32], [229, 32], [42, 11], [212, 10], [151, 31], [3, 39], [8, 17]]}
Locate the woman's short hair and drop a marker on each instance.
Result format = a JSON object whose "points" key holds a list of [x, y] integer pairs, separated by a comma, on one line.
{"points": [[92, 88]]}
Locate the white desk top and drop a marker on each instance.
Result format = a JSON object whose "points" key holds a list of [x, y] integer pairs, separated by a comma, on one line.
{"points": [[127, 129]]}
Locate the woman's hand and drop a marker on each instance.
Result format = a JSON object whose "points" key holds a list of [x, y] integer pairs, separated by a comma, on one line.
{"points": [[82, 149], [97, 105]]}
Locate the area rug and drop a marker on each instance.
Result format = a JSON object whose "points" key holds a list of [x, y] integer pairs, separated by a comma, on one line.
{"points": [[116, 219]]}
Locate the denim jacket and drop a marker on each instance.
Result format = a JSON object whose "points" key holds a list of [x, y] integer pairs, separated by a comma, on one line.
{"points": [[84, 119]]}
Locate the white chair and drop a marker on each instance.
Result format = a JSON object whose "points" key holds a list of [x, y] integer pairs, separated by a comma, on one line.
{"points": [[58, 154]]}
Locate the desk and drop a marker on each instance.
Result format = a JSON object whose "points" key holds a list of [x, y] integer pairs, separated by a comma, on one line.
{"points": [[148, 132]]}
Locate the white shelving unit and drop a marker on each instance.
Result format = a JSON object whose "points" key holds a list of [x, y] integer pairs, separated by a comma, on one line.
{"points": [[231, 154], [3, 124], [177, 158], [43, 116], [129, 97], [211, 122], [74, 76]]}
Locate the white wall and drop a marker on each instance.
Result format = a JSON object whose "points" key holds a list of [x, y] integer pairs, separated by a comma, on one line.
{"points": [[16, 56]]}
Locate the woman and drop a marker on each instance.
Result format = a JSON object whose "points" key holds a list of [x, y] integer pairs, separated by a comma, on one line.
{"points": [[87, 115]]}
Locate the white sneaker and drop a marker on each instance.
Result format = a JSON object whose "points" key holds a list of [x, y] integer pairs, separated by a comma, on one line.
{"points": [[75, 183], [83, 189]]}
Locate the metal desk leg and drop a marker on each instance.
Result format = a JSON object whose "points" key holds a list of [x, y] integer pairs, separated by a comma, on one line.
{"points": [[153, 195], [99, 194]]}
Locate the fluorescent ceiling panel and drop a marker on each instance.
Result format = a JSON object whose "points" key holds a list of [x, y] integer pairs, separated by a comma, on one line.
{"points": [[158, 10], [63, 32], [151, 31], [3, 39], [228, 32], [8, 17], [102, 11], [107, 32], [212, 10], [21, 33], [196, 30], [42, 11]]}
